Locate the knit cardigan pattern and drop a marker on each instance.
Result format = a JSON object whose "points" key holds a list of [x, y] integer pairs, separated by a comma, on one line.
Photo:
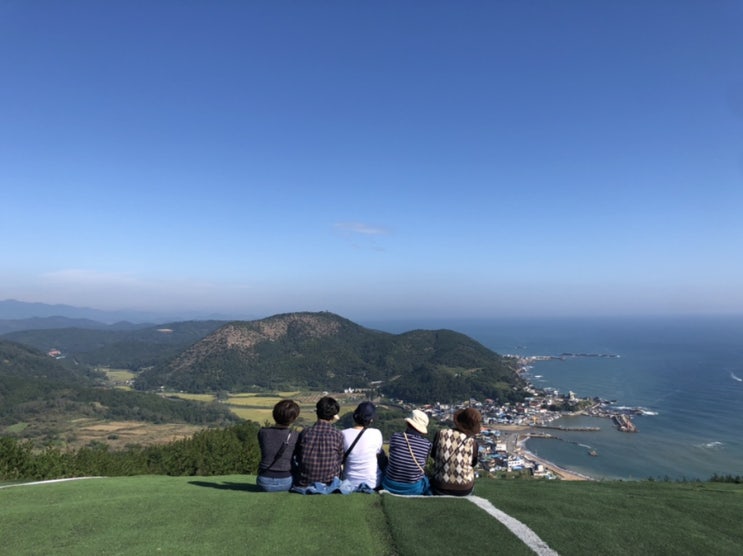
{"points": [[453, 457]]}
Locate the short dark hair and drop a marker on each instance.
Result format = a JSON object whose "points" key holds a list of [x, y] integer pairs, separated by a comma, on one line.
{"points": [[327, 408], [364, 414], [285, 412]]}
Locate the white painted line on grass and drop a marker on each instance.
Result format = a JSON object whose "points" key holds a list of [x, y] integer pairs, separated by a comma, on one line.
{"points": [[50, 481], [523, 532]]}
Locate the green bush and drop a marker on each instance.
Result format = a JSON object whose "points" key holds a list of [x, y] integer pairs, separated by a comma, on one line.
{"points": [[209, 452]]}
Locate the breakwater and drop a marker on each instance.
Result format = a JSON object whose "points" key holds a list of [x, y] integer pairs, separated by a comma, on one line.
{"points": [[562, 428], [624, 423]]}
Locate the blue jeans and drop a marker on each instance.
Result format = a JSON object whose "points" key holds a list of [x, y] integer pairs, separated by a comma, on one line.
{"points": [[419, 487], [271, 484], [336, 485]]}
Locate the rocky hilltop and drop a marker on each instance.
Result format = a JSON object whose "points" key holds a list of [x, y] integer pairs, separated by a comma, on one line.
{"points": [[326, 351]]}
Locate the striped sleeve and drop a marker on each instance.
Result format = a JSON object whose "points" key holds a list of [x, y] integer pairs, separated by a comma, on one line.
{"points": [[402, 467]]}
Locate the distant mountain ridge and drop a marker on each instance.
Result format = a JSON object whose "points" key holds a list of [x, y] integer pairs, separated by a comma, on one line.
{"points": [[12, 309], [47, 323], [128, 347], [328, 352]]}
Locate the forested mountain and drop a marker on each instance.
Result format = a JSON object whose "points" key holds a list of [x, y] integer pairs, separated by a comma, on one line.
{"points": [[25, 364], [130, 348], [38, 390], [327, 352], [319, 351]]}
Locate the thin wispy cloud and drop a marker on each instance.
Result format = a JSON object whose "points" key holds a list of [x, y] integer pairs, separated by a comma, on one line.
{"points": [[360, 228], [361, 236]]}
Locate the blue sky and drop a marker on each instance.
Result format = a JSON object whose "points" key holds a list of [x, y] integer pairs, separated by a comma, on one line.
{"points": [[374, 159]]}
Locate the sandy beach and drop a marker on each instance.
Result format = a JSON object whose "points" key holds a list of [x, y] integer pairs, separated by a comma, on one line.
{"points": [[516, 438], [561, 472]]}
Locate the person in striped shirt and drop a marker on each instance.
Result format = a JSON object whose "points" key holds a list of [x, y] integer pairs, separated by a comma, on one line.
{"points": [[409, 450]]}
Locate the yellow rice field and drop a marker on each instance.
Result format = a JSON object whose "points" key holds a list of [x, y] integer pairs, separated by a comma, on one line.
{"points": [[253, 400], [196, 397], [259, 407], [253, 414], [118, 375]]}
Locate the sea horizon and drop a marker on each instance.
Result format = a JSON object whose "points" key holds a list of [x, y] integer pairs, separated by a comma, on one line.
{"points": [[686, 371]]}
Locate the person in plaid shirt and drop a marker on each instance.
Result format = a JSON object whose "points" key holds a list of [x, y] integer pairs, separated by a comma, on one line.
{"points": [[319, 450]]}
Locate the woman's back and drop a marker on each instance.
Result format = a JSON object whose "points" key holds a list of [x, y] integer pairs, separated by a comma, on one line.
{"points": [[403, 466]]}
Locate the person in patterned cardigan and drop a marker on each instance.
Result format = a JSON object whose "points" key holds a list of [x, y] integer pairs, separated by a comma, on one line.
{"points": [[455, 455]]}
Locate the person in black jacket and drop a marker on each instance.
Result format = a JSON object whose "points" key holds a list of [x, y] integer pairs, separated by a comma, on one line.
{"points": [[277, 448]]}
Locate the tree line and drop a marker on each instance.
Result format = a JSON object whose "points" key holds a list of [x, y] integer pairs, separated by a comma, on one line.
{"points": [[221, 451]]}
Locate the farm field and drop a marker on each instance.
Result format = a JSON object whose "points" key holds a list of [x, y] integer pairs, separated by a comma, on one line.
{"points": [[227, 515], [258, 407], [119, 434], [119, 377]]}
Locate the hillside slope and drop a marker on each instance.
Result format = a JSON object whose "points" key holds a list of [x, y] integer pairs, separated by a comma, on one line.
{"points": [[129, 347], [43, 395], [326, 351], [226, 515]]}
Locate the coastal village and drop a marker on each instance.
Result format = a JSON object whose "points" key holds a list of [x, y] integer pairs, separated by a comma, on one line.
{"points": [[507, 427]]}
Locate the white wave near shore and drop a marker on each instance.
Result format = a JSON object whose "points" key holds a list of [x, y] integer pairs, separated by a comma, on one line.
{"points": [[714, 445]]}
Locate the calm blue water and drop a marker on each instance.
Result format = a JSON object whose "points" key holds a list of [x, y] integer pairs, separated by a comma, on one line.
{"points": [[682, 368]]}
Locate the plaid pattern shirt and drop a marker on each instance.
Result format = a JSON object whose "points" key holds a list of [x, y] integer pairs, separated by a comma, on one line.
{"points": [[319, 454]]}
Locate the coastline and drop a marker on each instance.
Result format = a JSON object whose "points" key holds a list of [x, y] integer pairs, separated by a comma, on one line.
{"points": [[517, 436], [679, 371], [561, 472]]}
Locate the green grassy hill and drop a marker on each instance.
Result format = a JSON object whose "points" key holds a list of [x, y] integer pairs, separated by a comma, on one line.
{"points": [[226, 515]]}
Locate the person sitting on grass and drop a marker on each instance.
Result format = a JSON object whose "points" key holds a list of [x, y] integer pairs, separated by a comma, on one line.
{"points": [[319, 450], [277, 448], [406, 470], [455, 455], [363, 445]]}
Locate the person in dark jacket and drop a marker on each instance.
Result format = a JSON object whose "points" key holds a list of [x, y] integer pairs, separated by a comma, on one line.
{"points": [[277, 448]]}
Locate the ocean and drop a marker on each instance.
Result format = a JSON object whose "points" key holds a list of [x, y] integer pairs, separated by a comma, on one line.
{"points": [[686, 371]]}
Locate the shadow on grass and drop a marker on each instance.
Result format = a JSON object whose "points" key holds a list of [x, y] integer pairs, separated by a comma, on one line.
{"points": [[245, 487]]}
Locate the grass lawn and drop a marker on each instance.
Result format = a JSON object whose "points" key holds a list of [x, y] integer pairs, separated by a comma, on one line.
{"points": [[226, 515], [185, 515], [615, 517]]}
